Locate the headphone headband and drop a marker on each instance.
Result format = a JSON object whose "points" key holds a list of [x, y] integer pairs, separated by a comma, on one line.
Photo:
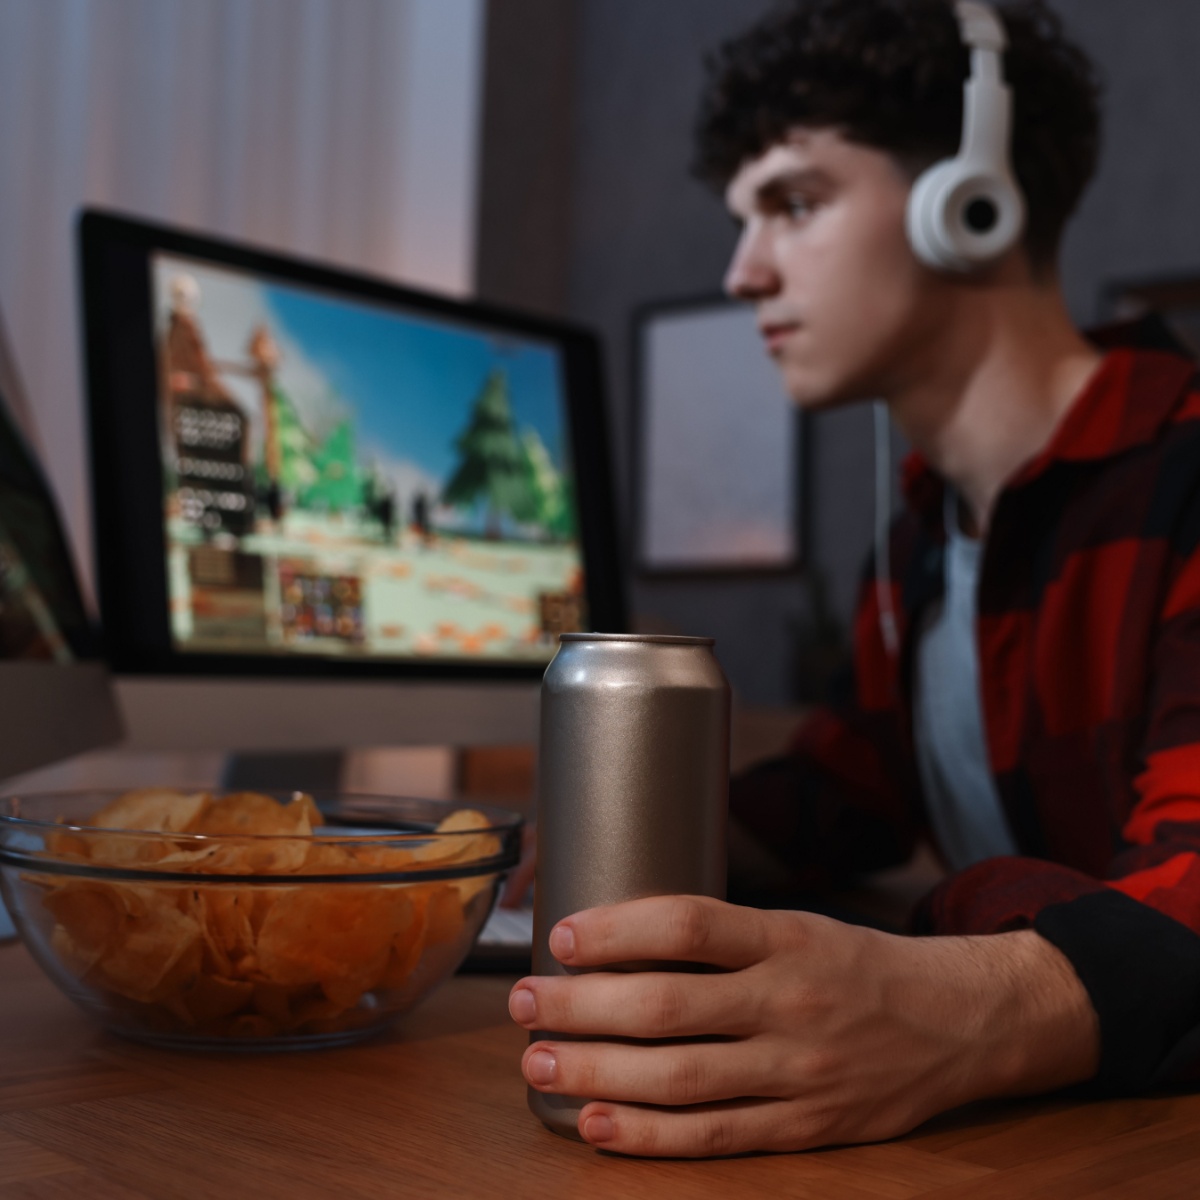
{"points": [[980, 26], [967, 211], [987, 101]]}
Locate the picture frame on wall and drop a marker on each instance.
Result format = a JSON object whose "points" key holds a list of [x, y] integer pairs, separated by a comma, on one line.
{"points": [[719, 446]]}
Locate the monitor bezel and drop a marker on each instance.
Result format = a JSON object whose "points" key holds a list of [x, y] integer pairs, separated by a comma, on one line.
{"points": [[126, 467]]}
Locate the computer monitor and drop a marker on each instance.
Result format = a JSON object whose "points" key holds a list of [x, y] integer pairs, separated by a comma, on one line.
{"points": [[331, 511], [55, 700]]}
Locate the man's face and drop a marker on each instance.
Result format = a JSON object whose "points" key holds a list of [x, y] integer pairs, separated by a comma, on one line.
{"points": [[844, 307]]}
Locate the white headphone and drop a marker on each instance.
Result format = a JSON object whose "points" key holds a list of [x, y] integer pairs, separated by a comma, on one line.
{"points": [[965, 212]]}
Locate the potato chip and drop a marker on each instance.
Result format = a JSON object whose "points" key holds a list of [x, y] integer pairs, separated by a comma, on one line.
{"points": [[91, 915], [160, 810], [462, 819], [255, 814], [463, 848], [407, 948], [227, 929], [345, 991], [337, 935], [274, 1001], [328, 857], [322, 1015], [393, 857], [208, 998], [150, 810], [443, 917], [158, 949], [244, 1025], [216, 959], [74, 847], [74, 957], [274, 856]]}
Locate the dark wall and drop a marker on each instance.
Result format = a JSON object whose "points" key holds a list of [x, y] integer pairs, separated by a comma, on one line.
{"points": [[527, 147], [1142, 214], [644, 230], [639, 229]]}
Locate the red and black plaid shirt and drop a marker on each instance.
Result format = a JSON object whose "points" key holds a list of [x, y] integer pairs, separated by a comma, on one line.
{"points": [[1089, 651]]}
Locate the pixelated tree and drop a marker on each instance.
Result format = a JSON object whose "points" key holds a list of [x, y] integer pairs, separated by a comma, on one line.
{"points": [[338, 485], [297, 472], [551, 489], [493, 468]]}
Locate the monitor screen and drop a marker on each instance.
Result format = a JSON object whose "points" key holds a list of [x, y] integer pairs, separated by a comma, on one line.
{"points": [[355, 479], [301, 469]]}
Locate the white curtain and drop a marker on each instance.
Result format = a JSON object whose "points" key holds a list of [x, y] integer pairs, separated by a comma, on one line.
{"points": [[344, 130]]}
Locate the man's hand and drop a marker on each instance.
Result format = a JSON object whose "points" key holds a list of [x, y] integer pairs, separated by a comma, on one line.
{"points": [[814, 1033]]}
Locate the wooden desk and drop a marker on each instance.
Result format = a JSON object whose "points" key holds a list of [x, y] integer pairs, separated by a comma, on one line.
{"points": [[437, 1108]]}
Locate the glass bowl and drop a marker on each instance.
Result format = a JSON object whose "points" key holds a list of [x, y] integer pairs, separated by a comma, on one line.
{"points": [[252, 941]]}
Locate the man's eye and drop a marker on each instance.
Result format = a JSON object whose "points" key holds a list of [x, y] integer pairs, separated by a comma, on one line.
{"points": [[797, 206]]}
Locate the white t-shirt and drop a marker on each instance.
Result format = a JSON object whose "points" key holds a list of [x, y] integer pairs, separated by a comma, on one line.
{"points": [[964, 807]]}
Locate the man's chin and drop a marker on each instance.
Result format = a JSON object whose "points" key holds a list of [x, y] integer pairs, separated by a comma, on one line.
{"points": [[811, 393]]}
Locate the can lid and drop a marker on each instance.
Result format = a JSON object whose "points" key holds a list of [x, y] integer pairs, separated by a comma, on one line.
{"points": [[668, 639]]}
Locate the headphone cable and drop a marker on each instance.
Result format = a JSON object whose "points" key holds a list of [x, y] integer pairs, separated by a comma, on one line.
{"points": [[883, 521]]}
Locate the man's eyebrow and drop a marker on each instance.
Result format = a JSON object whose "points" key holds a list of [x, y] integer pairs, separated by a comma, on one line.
{"points": [[779, 185], [773, 191]]}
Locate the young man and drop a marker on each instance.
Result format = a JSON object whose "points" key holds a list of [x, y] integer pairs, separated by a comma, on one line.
{"points": [[1037, 713]]}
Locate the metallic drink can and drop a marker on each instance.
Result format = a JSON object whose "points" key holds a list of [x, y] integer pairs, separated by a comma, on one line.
{"points": [[633, 787]]}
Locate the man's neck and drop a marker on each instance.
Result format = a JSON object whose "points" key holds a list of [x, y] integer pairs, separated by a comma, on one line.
{"points": [[1009, 366]]}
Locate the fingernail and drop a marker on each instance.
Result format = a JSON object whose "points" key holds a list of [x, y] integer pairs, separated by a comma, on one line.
{"points": [[541, 1067], [522, 1006], [562, 942], [598, 1128]]}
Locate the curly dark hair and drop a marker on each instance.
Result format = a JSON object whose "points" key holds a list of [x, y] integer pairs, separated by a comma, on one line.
{"points": [[889, 74]]}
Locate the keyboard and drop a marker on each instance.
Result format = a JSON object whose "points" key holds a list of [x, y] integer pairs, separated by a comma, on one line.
{"points": [[505, 942], [508, 927]]}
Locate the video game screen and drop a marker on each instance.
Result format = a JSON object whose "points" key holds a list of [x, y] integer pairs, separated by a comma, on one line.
{"points": [[344, 478]]}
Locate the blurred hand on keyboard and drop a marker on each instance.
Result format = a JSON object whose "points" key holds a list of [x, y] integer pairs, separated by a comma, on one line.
{"points": [[516, 888]]}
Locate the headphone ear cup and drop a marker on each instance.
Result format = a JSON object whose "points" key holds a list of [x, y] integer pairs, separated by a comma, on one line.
{"points": [[961, 217], [926, 214]]}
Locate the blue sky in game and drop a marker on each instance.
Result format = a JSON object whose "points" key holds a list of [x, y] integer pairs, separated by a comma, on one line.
{"points": [[410, 382]]}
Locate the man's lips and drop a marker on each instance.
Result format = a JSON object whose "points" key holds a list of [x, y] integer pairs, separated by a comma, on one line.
{"points": [[775, 333]]}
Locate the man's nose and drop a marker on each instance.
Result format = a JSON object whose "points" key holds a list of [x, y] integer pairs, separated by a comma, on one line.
{"points": [[751, 273]]}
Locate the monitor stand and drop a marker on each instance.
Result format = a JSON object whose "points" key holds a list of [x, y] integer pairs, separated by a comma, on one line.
{"points": [[430, 772], [49, 712], [52, 711], [314, 771]]}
